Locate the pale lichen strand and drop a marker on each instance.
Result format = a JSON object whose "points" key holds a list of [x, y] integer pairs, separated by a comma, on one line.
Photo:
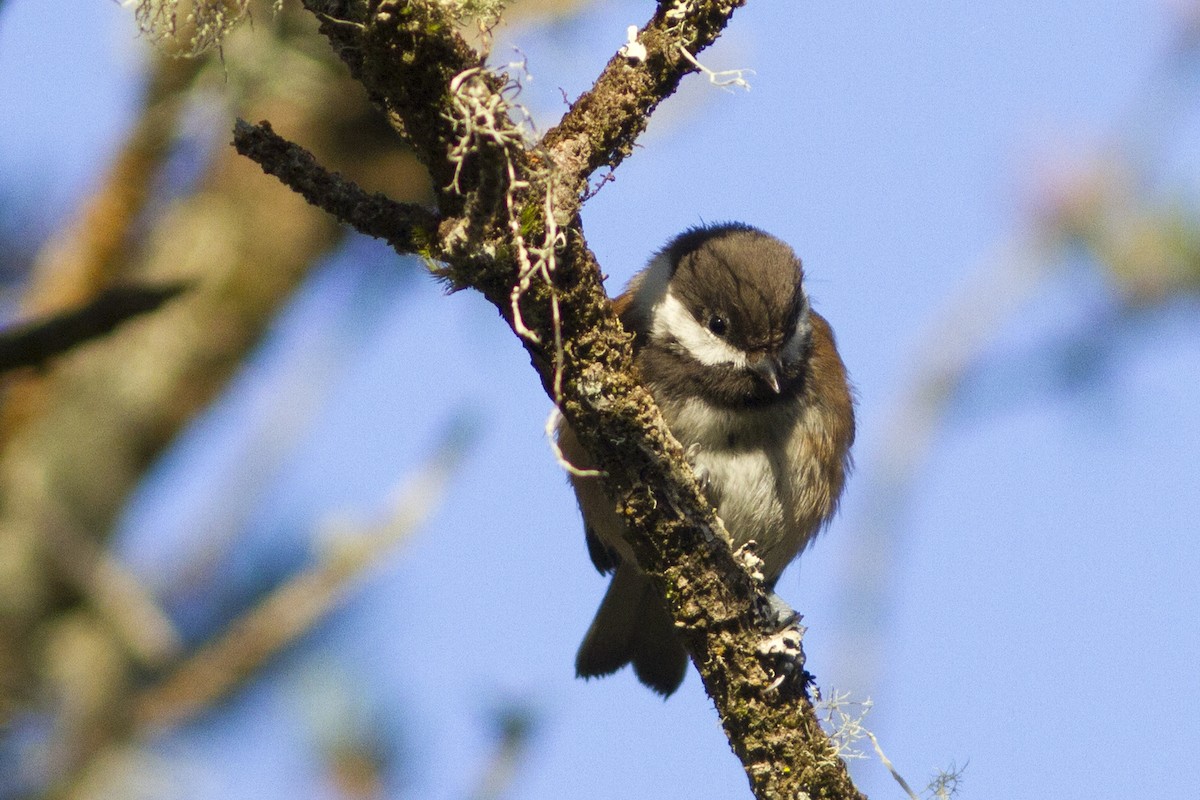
{"points": [[407, 57], [189, 28]]}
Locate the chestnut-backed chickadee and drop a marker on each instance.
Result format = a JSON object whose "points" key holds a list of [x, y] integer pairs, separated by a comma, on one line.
{"points": [[750, 382]]}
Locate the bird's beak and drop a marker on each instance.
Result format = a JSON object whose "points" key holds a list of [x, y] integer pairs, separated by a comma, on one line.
{"points": [[767, 368]]}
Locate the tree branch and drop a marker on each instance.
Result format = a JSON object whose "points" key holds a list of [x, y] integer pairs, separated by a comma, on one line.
{"points": [[295, 608], [91, 253], [511, 230], [406, 55], [33, 343], [403, 225], [602, 124]]}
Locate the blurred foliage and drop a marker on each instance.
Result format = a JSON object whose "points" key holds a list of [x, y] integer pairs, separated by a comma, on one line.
{"points": [[87, 653], [1144, 244], [1109, 215]]}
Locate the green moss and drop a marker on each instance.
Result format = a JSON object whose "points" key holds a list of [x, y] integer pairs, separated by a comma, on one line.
{"points": [[531, 219]]}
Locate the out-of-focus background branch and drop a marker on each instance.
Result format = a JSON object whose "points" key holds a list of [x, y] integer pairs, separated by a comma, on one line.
{"points": [[177, 206], [1111, 218], [81, 636]]}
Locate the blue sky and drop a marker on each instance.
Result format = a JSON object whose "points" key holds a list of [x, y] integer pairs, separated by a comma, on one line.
{"points": [[1037, 619]]}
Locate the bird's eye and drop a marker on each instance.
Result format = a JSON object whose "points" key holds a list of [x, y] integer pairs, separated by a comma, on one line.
{"points": [[717, 324]]}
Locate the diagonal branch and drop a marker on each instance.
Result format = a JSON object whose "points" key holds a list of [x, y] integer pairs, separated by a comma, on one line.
{"points": [[511, 230], [403, 225], [406, 55], [32, 344], [296, 607], [601, 126], [219, 667]]}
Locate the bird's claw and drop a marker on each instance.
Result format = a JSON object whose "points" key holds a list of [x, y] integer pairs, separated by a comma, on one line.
{"points": [[785, 657], [781, 649]]}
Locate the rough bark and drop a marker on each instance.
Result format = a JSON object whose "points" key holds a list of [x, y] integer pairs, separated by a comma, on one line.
{"points": [[510, 228]]}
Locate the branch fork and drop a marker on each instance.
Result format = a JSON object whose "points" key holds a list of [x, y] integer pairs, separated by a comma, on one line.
{"points": [[508, 225]]}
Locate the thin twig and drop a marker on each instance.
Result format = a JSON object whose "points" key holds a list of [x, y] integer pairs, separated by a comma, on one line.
{"points": [[403, 225], [887, 762]]}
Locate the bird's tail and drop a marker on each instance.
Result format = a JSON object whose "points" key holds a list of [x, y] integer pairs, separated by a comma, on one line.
{"points": [[632, 626]]}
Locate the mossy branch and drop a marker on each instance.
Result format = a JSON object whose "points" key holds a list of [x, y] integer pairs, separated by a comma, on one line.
{"points": [[405, 226], [510, 229]]}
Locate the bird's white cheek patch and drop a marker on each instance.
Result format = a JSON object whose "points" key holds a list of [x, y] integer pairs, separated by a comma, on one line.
{"points": [[671, 319]]}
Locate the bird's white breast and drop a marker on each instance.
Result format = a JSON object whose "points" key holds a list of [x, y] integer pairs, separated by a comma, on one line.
{"points": [[760, 472]]}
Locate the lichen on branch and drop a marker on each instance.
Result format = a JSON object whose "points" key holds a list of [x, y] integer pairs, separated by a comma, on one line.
{"points": [[510, 228]]}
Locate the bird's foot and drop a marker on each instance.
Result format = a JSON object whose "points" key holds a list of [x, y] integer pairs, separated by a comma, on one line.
{"points": [[781, 649]]}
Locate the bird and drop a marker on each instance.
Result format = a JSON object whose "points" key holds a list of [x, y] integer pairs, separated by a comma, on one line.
{"points": [[749, 381]]}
